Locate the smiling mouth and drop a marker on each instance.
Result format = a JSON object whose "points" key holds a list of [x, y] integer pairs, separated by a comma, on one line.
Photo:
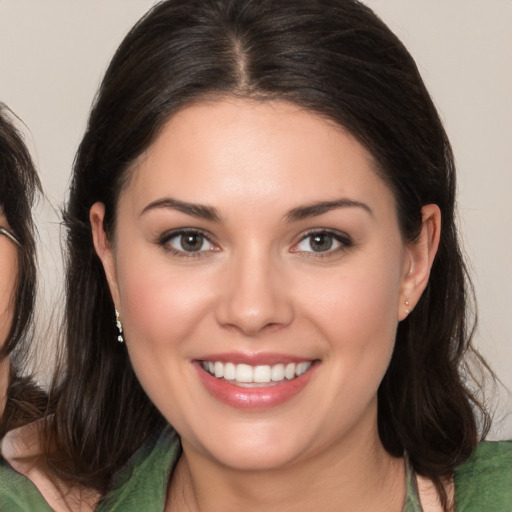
{"points": [[245, 375]]}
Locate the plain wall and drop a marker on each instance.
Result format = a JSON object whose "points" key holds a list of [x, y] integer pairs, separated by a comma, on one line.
{"points": [[53, 54]]}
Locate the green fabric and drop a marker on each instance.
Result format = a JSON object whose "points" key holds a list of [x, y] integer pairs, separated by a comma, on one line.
{"points": [[19, 494], [412, 500], [142, 485], [482, 484]]}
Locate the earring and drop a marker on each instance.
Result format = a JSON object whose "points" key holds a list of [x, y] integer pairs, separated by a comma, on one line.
{"points": [[119, 326], [407, 310]]}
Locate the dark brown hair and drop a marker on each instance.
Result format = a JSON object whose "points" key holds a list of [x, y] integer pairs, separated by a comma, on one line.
{"points": [[337, 59], [18, 187]]}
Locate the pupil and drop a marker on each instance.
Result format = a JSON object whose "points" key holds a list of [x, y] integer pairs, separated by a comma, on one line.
{"points": [[321, 243], [191, 242]]}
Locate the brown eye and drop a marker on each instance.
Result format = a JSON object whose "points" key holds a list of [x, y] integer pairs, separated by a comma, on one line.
{"points": [[187, 242], [323, 242], [191, 242]]}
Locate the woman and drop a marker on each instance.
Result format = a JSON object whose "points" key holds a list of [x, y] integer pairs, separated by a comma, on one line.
{"points": [[262, 243], [20, 400]]}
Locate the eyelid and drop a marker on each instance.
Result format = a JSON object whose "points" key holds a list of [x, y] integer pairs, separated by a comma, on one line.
{"points": [[341, 237], [180, 231], [164, 239]]}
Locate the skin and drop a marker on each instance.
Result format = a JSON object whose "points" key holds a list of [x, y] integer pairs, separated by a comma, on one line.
{"points": [[257, 286], [8, 273]]}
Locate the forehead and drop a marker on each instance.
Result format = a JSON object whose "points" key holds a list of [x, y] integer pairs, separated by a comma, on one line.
{"points": [[240, 150]]}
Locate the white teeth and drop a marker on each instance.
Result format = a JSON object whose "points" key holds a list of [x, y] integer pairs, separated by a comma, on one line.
{"points": [[277, 372], [229, 371], [289, 372], [302, 368], [261, 374], [243, 373], [246, 374], [219, 370]]}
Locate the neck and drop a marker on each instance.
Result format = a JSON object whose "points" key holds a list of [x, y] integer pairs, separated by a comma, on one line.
{"points": [[355, 475]]}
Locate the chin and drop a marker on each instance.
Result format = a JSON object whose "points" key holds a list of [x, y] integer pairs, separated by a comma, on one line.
{"points": [[253, 447], [267, 458]]}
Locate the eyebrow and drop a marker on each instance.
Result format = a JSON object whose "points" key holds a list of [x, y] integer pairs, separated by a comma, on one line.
{"points": [[202, 211], [195, 210], [315, 209]]}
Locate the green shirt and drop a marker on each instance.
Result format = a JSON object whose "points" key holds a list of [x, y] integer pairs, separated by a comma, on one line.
{"points": [[482, 484]]}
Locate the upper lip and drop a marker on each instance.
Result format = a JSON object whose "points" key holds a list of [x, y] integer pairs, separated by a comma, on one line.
{"points": [[254, 359]]}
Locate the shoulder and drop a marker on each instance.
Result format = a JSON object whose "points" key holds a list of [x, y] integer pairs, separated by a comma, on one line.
{"points": [[145, 477], [484, 481], [27, 484], [18, 493]]}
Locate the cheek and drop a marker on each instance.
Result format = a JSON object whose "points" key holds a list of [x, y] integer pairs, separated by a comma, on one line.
{"points": [[356, 309], [362, 296], [160, 303], [8, 274]]}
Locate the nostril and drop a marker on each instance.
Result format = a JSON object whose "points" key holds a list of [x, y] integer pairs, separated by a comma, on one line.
{"points": [[252, 298], [253, 322]]}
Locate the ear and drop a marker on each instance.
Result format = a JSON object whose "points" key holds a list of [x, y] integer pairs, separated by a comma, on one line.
{"points": [[418, 260], [104, 249]]}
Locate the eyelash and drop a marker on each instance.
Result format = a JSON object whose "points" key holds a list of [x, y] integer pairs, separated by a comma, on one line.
{"points": [[166, 238], [342, 239]]}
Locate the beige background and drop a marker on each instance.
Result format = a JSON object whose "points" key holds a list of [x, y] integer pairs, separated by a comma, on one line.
{"points": [[53, 54]]}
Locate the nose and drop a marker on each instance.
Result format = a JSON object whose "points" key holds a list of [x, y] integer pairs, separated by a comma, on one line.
{"points": [[254, 296]]}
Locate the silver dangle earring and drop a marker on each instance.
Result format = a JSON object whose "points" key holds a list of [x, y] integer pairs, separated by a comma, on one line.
{"points": [[119, 326], [407, 310]]}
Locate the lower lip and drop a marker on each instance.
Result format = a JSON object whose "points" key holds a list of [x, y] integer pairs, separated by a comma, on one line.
{"points": [[254, 398]]}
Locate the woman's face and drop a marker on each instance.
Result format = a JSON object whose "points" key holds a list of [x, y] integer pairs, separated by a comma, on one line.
{"points": [[260, 274], [8, 274]]}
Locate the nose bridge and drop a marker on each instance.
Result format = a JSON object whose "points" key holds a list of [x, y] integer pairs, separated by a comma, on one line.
{"points": [[254, 297]]}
